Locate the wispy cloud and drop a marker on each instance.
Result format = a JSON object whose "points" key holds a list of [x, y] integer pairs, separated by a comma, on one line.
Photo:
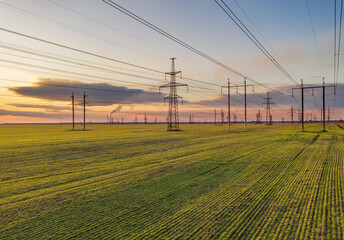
{"points": [[99, 94], [4, 112], [48, 108]]}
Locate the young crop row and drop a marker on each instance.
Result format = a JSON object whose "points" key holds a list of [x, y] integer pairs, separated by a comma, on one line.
{"points": [[189, 185], [210, 216], [291, 198], [62, 187]]}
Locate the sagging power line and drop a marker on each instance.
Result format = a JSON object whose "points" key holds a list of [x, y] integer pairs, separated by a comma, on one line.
{"points": [[229, 12], [182, 43]]}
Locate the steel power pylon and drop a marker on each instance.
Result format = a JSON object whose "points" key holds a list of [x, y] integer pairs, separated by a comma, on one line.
{"points": [[173, 116], [258, 117], [291, 111], [268, 116]]}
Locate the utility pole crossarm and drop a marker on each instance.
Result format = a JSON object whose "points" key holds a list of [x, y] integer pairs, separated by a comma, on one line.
{"points": [[174, 97], [312, 87], [169, 85]]}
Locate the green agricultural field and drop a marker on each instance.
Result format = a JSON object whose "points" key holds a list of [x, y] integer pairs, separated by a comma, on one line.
{"points": [[141, 182]]}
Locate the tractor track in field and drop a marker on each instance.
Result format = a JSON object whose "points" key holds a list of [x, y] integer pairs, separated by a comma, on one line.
{"points": [[340, 125], [313, 141]]}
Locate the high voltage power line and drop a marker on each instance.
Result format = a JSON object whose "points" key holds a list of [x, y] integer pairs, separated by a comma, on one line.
{"points": [[11, 7], [337, 48], [315, 38], [70, 72], [92, 77], [79, 63], [88, 88], [111, 59], [182, 43], [249, 34], [336, 54], [261, 34], [78, 50]]}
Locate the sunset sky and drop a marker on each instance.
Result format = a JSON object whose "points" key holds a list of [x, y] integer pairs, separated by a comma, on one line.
{"points": [[38, 78]]}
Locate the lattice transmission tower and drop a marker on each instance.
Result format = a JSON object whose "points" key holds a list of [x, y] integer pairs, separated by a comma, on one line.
{"points": [[173, 116], [268, 116]]}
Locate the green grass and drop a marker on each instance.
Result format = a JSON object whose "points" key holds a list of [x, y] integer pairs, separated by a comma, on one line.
{"points": [[141, 182]]}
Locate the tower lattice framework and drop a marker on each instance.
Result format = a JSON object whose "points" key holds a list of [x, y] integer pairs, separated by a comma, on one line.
{"points": [[173, 115]]}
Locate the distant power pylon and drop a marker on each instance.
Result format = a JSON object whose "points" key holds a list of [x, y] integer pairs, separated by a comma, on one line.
{"points": [[173, 115], [299, 115], [268, 116], [145, 119], [191, 118], [291, 114], [258, 117]]}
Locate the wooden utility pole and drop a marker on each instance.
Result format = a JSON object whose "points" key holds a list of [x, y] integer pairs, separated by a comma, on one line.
{"points": [[72, 97], [323, 86], [84, 110], [228, 103], [245, 96], [302, 123], [245, 105]]}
